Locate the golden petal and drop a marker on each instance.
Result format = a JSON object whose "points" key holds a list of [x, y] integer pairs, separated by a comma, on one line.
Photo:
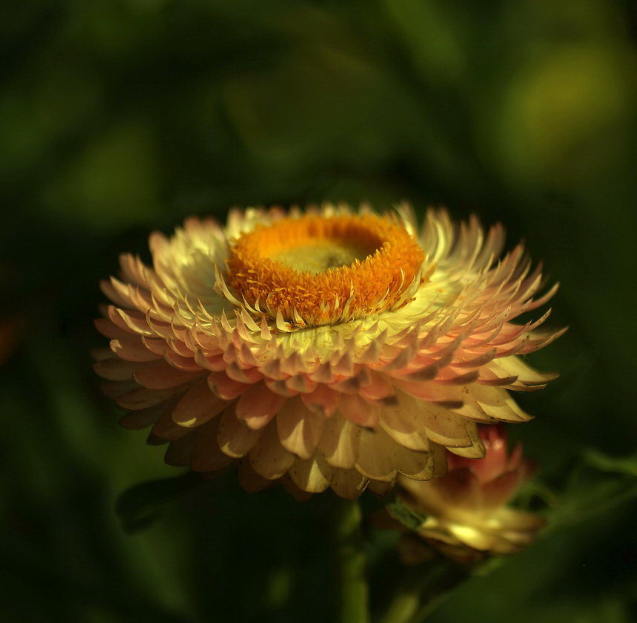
{"points": [[269, 458], [311, 475], [377, 455], [400, 420], [339, 442], [299, 428], [347, 483]]}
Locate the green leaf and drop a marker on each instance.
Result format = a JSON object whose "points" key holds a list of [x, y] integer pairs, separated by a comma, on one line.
{"points": [[140, 505]]}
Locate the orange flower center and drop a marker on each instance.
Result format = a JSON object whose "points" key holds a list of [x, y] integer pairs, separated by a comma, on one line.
{"points": [[318, 270]]}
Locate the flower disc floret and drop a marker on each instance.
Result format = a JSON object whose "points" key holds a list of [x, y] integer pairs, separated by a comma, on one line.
{"points": [[317, 270]]}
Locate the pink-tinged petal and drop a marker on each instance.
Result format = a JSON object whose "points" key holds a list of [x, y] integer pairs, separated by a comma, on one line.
{"points": [[140, 398], [165, 428], [354, 384], [348, 483], [110, 330], [447, 397], [115, 369], [185, 364], [459, 488], [214, 363], [358, 411], [269, 458], [299, 428], [137, 420], [312, 474], [132, 349], [179, 452], [301, 383], [258, 405], [235, 438], [117, 388], [280, 388], [243, 375], [134, 322], [118, 295], [206, 455], [499, 491], [161, 375], [323, 400], [224, 387], [155, 345], [380, 387], [198, 406]]}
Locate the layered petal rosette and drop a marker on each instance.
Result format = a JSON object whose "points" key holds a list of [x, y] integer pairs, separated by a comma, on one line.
{"points": [[467, 516], [330, 347]]}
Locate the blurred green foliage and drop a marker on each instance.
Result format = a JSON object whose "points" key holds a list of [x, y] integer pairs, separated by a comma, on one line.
{"points": [[123, 116]]}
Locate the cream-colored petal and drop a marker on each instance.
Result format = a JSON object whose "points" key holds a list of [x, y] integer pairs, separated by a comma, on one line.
{"points": [[269, 458], [399, 418], [415, 464], [377, 455], [497, 403], [339, 442], [299, 428], [234, 437], [444, 426]]}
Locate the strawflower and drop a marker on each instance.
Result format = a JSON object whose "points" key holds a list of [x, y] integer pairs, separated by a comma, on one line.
{"points": [[466, 512], [330, 347]]}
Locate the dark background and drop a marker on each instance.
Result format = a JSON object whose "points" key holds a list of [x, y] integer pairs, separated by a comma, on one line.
{"points": [[123, 116]]}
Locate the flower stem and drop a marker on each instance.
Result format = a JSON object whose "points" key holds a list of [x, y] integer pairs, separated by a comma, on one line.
{"points": [[353, 603], [423, 590]]}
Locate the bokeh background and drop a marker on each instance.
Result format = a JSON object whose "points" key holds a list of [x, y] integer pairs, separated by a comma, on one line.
{"points": [[123, 116]]}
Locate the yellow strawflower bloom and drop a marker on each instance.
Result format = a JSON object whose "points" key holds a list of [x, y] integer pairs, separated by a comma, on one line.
{"points": [[331, 347]]}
